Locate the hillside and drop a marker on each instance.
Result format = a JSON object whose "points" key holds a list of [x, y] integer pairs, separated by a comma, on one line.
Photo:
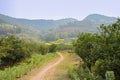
{"points": [[50, 30], [37, 24], [89, 23]]}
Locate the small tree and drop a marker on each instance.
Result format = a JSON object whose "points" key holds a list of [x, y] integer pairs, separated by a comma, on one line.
{"points": [[52, 48], [43, 49]]}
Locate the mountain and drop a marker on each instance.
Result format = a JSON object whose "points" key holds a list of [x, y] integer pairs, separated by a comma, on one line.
{"points": [[93, 19], [100, 19], [38, 24], [52, 29], [89, 23]]}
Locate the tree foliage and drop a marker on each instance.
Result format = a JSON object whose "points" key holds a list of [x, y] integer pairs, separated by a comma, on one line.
{"points": [[12, 50], [52, 48], [101, 50]]}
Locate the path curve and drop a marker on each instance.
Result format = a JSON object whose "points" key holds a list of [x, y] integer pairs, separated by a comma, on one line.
{"points": [[41, 74]]}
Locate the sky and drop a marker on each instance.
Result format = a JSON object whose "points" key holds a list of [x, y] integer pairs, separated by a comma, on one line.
{"points": [[58, 9]]}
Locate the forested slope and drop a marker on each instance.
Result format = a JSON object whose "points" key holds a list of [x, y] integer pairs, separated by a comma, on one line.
{"points": [[100, 53]]}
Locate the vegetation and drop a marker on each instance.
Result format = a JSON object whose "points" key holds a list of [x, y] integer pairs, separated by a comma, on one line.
{"points": [[17, 71], [51, 30], [61, 70], [100, 51], [17, 57], [80, 73], [12, 50], [52, 48], [6, 29], [61, 47]]}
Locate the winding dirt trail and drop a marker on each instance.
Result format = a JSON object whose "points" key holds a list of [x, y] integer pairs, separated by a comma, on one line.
{"points": [[43, 72]]}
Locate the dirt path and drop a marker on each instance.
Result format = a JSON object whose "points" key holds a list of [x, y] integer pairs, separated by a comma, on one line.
{"points": [[41, 74]]}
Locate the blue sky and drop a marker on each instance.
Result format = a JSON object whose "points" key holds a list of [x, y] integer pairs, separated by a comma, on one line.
{"points": [[57, 9]]}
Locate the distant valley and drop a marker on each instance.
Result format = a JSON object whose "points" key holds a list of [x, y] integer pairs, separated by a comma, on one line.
{"points": [[51, 30]]}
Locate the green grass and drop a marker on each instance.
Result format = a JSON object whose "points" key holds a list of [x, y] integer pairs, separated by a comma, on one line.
{"points": [[61, 71], [72, 73], [15, 72]]}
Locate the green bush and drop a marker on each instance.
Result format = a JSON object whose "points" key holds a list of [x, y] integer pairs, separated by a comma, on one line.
{"points": [[72, 71], [102, 48], [80, 73], [12, 50], [110, 75], [52, 48], [43, 49], [12, 73]]}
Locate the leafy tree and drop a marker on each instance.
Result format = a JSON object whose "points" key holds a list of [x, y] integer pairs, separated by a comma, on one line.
{"points": [[109, 42], [86, 48], [52, 48], [101, 50], [43, 49], [12, 50]]}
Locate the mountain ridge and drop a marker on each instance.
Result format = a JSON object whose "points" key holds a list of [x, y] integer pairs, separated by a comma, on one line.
{"points": [[94, 14], [92, 20], [45, 29]]}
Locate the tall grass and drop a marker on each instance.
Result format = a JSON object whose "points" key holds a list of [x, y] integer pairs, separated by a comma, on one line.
{"points": [[80, 73], [12, 73], [73, 73]]}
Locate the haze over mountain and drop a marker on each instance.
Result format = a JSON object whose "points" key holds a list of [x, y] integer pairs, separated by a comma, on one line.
{"points": [[68, 27]]}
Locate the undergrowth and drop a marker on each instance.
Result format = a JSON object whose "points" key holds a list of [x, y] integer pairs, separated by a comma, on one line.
{"points": [[80, 73], [17, 71]]}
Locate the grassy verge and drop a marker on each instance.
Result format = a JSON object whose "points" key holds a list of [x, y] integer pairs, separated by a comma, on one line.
{"points": [[72, 73], [19, 70]]}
